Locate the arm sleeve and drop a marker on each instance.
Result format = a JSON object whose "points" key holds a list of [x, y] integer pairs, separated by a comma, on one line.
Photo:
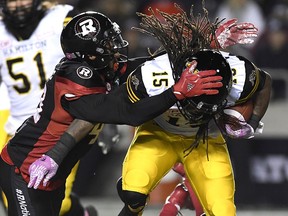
{"points": [[62, 148], [75, 132], [116, 108]]}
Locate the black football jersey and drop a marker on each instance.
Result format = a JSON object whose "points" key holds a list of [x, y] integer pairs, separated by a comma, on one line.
{"points": [[40, 132]]}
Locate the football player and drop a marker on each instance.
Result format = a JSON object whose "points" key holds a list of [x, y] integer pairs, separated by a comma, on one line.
{"points": [[30, 49], [249, 83], [36, 162], [190, 132]]}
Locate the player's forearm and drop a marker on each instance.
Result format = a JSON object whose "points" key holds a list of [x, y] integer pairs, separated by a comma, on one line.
{"points": [[115, 108], [79, 129], [261, 103], [151, 107], [119, 110], [263, 97], [75, 132]]}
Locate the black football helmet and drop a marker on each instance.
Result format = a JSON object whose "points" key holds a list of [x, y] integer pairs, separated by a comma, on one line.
{"points": [[93, 33], [21, 16], [201, 109]]}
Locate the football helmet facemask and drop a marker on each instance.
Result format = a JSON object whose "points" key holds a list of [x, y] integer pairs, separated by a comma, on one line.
{"points": [[94, 34], [201, 109], [19, 15]]}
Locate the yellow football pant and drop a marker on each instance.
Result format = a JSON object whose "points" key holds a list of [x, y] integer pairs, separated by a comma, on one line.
{"points": [[4, 137], [154, 152], [4, 114], [66, 203]]}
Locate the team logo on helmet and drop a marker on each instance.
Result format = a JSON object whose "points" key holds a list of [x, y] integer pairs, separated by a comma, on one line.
{"points": [[84, 72], [87, 28]]}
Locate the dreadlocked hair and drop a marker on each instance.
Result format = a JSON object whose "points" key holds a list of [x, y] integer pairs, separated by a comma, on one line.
{"points": [[181, 36]]}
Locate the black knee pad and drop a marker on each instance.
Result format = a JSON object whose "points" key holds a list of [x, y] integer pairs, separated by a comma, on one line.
{"points": [[133, 199]]}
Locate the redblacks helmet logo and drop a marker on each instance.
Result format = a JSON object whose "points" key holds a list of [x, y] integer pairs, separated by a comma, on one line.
{"points": [[87, 28]]}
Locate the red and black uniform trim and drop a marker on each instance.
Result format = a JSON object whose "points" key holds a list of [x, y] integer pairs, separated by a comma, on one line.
{"points": [[40, 133]]}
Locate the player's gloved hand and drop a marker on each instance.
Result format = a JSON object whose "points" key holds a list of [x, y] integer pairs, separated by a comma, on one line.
{"points": [[242, 131], [193, 84], [245, 132], [43, 168], [231, 33]]}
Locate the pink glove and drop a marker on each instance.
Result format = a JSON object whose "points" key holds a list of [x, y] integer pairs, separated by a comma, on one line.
{"points": [[231, 33], [42, 167], [245, 132], [193, 84]]}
